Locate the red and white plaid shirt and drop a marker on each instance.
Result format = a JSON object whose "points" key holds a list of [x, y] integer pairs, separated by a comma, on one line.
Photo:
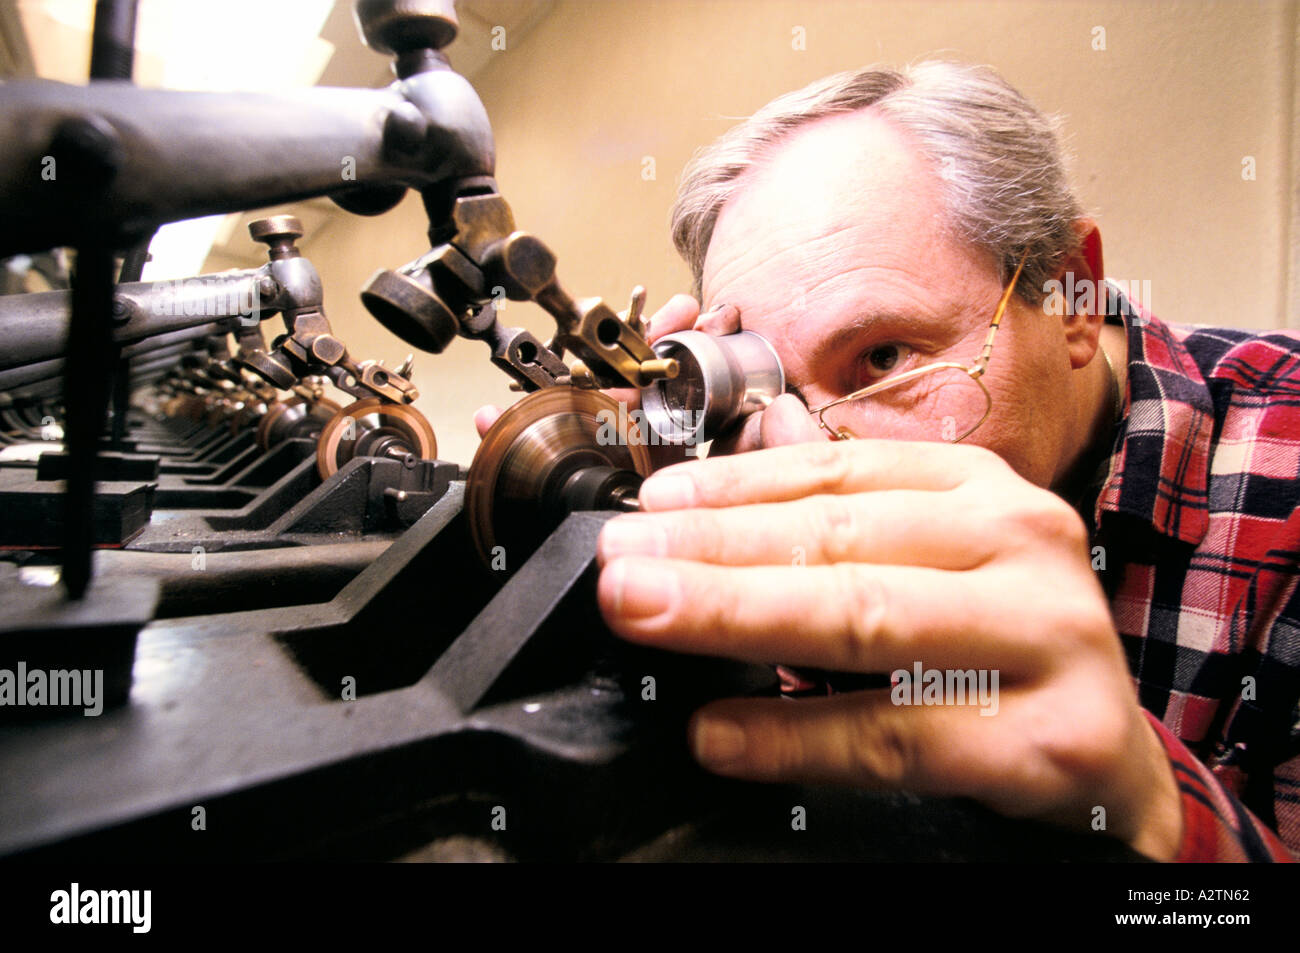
{"points": [[1199, 522]]}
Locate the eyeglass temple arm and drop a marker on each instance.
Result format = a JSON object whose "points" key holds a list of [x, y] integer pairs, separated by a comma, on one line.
{"points": [[982, 361]]}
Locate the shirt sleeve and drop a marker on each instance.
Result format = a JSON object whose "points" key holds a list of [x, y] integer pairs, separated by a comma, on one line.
{"points": [[1216, 827]]}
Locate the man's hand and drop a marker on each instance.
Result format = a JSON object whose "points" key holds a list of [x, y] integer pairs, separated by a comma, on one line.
{"points": [[870, 556]]}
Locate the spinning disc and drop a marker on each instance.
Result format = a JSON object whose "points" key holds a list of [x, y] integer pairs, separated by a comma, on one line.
{"points": [[283, 419], [189, 406], [273, 414], [536, 446], [373, 428], [252, 411], [215, 411]]}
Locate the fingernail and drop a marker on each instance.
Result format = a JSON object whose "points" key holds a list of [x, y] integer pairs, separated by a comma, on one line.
{"points": [[672, 491], [717, 743], [649, 591], [632, 536], [723, 317]]}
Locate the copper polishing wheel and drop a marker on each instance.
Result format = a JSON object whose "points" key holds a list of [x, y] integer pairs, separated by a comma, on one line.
{"points": [[250, 415], [282, 420], [527, 470], [373, 427], [189, 406], [273, 414], [215, 414]]}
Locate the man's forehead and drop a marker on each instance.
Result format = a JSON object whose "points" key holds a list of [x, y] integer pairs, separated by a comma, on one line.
{"points": [[846, 186]]}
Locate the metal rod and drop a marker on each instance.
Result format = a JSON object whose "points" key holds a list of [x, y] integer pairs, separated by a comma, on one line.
{"points": [[91, 351], [112, 45], [85, 399], [173, 343], [136, 258], [112, 56], [121, 389]]}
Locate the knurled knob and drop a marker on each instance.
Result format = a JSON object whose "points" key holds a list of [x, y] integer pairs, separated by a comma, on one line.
{"points": [[410, 310], [276, 227], [278, 233], [397, 26]]}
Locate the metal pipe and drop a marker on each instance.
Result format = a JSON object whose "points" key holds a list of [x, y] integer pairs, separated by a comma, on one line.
{"points": [[171, 338], [166, 154], [148, 348], [36, 391], [34, 327]]}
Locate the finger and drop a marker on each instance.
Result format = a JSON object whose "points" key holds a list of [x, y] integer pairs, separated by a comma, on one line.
{"points": [[678, 314], [814, 740], [866, 740], [892, 527], [786, 421], [485, 417], [845, 618], [625, 395], [720, 319], [791, 472], [744, 436]]}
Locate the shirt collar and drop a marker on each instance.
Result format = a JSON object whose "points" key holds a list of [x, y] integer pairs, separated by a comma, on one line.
{"points": [[1159, 468]]}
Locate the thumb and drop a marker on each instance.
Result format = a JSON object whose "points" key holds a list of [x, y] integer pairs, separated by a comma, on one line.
{"points": [[786, 420], [485, 417]]}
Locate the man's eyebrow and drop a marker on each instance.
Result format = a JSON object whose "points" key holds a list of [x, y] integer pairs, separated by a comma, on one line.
{"points": [[836, 340], [845, 334]]}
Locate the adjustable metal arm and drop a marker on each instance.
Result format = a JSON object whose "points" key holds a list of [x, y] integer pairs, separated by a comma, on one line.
{"points": [[454, 289], [110, 162], [309, 347]]}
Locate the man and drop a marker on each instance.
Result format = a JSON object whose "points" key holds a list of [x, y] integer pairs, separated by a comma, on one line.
{"points": [[868, 226]]}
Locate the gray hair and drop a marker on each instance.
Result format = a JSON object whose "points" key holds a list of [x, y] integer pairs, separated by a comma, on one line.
{"points": [[1001, 166]]}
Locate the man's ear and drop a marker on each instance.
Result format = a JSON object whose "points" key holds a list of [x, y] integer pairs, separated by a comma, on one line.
{"points": [[1080, 276]]}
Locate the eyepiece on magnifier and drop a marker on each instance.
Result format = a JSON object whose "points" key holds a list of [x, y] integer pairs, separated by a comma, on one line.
{"points": [[722, 379]]}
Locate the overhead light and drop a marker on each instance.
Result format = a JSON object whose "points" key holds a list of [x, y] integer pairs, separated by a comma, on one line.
{"points": [[214, 45], [228, 45]]}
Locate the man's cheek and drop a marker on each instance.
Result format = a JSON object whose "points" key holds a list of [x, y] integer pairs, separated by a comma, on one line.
{"points": [[1014, 442]]}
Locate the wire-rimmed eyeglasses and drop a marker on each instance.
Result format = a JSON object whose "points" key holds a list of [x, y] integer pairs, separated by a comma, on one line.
{"points": [[974, 372]]}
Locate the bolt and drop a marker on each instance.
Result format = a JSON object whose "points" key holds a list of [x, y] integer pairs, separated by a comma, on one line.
{"points": [[267, 288]]}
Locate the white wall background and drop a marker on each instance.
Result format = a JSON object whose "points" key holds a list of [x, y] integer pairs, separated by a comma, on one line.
{"points": [[1158, 124]]}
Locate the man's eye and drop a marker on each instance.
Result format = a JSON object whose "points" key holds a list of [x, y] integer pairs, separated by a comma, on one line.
{"points": [[883, 360]]}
